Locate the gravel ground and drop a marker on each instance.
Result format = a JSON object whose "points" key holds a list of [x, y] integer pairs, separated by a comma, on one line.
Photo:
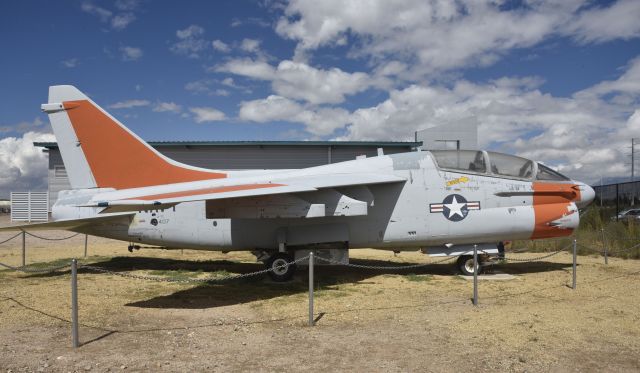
{"points": [[421, 320]]}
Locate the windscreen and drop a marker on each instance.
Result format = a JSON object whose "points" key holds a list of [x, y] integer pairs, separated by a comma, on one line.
{"points": [[510, 165], [462, 160], [545, 173]]}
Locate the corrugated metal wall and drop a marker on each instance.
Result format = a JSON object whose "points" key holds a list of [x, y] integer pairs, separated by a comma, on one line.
{"points": [[248, 157], [237, 157]]}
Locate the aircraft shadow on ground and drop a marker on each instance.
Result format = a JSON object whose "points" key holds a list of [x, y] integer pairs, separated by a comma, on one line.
{"points": [[261, 287]]}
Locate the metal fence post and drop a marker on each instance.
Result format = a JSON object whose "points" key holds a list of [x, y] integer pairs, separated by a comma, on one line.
{"points": [[475, 275], [86, 239], [74, 304], [24, 248], [311, 289], [574, 264], [606, 251]]}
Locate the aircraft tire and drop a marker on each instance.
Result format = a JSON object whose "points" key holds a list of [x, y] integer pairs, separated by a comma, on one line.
{"points": [[282, 274], [465, 264]]}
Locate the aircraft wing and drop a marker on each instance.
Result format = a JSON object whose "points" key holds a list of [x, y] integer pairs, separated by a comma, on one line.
{"points": [[284, 186], [68, 223]]}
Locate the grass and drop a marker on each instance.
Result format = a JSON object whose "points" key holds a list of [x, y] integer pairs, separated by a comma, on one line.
{"points": [[593, 234], [418, 278], [182, 274]]}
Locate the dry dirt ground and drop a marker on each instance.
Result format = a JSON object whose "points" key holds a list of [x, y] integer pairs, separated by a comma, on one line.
{"points": [[419, 320]]}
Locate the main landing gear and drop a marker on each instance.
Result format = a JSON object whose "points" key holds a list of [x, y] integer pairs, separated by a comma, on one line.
{"points": [[280, 270], [133, 247], [465, 264]]}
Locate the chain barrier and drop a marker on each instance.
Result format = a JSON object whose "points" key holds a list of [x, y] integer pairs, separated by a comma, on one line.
{"points": [[193, 280], [609, 252], [536, 258], [529, 259], [624, 250], [24, 269], [599, 251], [9, 239], [362, 266], [51, 239]]}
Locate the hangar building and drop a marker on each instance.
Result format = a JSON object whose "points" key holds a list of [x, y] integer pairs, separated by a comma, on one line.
{"points": [[455, 135], [242, 155]]}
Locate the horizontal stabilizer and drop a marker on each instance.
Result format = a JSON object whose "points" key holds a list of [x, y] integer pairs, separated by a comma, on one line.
{"points": [[68, 224]]}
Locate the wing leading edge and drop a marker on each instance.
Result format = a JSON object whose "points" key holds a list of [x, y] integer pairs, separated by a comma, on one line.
{"points": [[302, 194]]}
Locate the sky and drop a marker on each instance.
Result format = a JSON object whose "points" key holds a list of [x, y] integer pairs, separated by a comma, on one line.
{"points": [[556, 81]]}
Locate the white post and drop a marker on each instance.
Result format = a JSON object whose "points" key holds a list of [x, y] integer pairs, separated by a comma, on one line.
{"points": [[24, 248], [574, 264], [475, 275], [74, 304], [86, 239], [311, 289], [606, 251]]}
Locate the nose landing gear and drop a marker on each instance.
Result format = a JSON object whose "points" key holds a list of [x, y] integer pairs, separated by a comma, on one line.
{"points": [[133, 247]]}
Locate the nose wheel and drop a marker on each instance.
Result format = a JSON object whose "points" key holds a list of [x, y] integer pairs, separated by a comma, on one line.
{"points": [[280, 270]]}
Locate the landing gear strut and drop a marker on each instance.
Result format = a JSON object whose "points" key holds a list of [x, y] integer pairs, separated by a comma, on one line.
{"points": [[280, 271]]}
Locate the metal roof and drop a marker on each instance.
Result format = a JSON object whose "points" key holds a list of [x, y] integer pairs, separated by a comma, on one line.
{"points": [[380, 144]]}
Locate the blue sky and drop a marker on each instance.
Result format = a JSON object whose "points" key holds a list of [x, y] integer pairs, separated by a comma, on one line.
{"points": [[557, 81]]}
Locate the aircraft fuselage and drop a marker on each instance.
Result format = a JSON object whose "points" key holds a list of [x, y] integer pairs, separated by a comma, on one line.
{"points": [[434, 207]]}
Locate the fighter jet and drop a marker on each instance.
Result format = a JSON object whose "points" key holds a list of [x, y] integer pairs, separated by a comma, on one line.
{"points": [[442, 202]]}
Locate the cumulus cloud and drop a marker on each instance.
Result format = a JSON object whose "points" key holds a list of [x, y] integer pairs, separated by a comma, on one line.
{"points": [[190, 42], [70, 63], [207, 86], [128, 104], [600, 24], [220, 46], [198, 86], [172, 107], [24, 126], [206, 114], [22, 165], [582, 134], [102, 13], [121, 21], [117, 20], [247, 67], [298, 80], [317, 121], [250, 45], [442, 35], [127, 4], [131, 53]]}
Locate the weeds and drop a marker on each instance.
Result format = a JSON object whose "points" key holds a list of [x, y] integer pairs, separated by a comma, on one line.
{"points": [[593, 234]]}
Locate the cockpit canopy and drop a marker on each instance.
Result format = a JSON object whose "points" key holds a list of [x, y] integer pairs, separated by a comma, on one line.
{"points": [[492, 163]]}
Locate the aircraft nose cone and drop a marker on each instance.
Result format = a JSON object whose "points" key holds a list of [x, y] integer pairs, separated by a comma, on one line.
{"points": [[587, 194]]}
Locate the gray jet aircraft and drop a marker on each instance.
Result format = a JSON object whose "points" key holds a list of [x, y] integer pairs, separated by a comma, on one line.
{"points": [[441, 202]]}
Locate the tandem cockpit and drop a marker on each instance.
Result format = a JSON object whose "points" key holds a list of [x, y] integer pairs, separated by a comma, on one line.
{"points": [[488, 163]]}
